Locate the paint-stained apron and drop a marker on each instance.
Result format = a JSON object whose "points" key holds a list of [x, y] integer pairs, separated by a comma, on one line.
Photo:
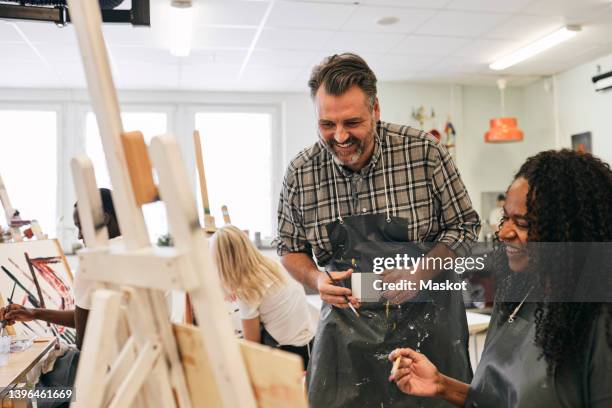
{"points": [[349, 366]]}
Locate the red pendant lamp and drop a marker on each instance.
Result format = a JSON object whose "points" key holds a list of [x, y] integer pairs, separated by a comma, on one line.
{"points": [[503, 129]]}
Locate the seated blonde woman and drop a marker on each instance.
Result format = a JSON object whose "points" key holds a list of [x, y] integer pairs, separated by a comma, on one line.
{"points": [[273, 306]]}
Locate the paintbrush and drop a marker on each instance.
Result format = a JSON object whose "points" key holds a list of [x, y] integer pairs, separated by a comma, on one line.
{"points": [[10, 301], [335, 282], [396, 364]]}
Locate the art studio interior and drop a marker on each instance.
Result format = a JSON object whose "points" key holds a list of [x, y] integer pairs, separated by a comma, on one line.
{"points": [[306, 203]]}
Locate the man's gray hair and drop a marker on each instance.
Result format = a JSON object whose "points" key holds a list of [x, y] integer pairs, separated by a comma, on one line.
{"points": [[339, 72]]}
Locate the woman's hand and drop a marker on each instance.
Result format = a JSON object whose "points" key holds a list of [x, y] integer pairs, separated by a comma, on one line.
{"points": [[15, 312], [415, 375]]}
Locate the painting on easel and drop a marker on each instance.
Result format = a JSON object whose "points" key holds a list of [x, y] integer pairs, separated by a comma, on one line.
{"points": [[35, 274]]}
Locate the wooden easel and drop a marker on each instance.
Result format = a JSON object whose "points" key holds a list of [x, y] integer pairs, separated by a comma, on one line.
{"points": [[209, 220], [226, 217], [148, 366], [13, 219]]}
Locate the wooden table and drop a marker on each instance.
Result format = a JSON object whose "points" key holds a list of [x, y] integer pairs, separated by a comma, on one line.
{"points": [[21, 363]]}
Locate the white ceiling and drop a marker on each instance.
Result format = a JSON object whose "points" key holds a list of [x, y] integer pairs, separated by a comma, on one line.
{"points": [[434, 41]]}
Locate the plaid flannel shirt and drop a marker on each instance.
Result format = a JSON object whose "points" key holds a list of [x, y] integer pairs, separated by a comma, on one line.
{"points": [[423, 186]]}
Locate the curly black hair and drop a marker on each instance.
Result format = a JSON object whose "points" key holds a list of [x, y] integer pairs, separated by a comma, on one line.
{"points": [[569, 200]]}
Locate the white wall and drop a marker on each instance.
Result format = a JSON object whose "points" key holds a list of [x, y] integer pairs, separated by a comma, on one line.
{"points": [[581, 109], [483, 166]]}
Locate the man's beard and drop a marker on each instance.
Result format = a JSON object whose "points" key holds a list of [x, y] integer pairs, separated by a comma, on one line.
{"points": [[362, 145]]}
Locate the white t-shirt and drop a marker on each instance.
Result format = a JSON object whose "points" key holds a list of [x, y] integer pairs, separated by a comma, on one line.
{"points": [[284, 312]]}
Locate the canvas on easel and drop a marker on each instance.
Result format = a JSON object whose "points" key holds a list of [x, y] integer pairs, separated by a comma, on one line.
{"points": [[42, 279]]}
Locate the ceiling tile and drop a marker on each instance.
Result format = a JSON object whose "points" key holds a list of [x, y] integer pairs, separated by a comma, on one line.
{"points": [[462, 24], [429, 4], [207, 76], [572, 10], [525, 28], [394, 74], [16, 74], [390, 62], [141, 76], [47, 32], [294, 39], [255, 74], [451, 65], [346, 41], [71, 74], [322, 16], [128, 35], [208, 37], [279, 58], [364, 19], [222, 57], [432, 4], [499, 6], [486, 50], [204, 72], [17, 51], [8, 32], [59, 52], [598, 32], [229, 12], [143, 55], [429, 45]]}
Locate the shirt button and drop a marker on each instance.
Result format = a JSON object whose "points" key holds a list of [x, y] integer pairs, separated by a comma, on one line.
{"points": [[364, 210]]}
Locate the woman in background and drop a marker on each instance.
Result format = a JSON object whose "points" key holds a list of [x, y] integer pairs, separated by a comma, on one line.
{"points": [[549, 343], [273, 306]]}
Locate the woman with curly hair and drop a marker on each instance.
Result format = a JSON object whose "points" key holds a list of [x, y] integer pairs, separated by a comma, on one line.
{"points": [[550, 340]]}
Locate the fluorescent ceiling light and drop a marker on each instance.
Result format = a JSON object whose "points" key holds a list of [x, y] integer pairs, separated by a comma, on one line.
{"points": [[559, 36], [181, 26]]}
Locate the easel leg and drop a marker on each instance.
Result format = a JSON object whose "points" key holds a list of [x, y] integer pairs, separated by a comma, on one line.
{"points": [[99, 336]]}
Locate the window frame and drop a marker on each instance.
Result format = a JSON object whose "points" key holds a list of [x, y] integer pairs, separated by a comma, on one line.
{"points": [[61, 168], [276, 142]]}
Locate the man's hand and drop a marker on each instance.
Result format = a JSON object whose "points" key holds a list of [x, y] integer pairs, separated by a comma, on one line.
{"points": [[396, 276], [333, 294], [15, 312], [416, 375]]}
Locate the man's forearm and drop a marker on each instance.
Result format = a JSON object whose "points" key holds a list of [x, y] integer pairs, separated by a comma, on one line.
{"points": [[302, 267], [61, 317]]}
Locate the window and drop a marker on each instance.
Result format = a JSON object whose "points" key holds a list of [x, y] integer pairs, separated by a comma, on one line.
{"points": [[150, 124], [28, 164], [237, 150]]}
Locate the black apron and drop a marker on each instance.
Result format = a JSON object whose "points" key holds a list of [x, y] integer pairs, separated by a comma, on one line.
{"points": [[349, 366], [510, 373]]}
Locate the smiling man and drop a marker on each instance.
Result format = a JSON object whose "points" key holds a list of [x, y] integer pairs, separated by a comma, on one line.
{"points": [[371, 189]]}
